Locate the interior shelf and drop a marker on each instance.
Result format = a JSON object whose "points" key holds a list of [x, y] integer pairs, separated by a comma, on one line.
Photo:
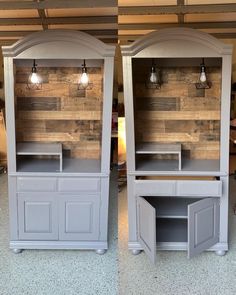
{"points": [[52, 165], [153, 165], [171, 207], [156, 148], [169, 230], [42, 149]]}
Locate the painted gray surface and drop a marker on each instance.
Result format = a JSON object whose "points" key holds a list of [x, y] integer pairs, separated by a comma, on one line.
{"points": [[203, 225], [147, 227], [37, 216], [74, 184], [36, 184], [79, 217], [177, 43]]}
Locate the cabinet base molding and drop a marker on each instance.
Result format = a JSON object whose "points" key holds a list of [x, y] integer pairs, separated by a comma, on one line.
{"points": [[19, 245], [179, 246]]}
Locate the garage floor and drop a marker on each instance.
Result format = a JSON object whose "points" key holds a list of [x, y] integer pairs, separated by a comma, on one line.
{"points": [[49, 272]]}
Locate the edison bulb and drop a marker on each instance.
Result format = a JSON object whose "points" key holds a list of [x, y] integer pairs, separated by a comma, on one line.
{"points": [[34, 79], [84, 79], [203, 77], [153, 77]]}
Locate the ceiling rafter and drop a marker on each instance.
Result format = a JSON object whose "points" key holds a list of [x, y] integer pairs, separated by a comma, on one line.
{"points": [[132, 38], [176, 9], [197, 25], [56, 4], [59, 20], [97, 33]]}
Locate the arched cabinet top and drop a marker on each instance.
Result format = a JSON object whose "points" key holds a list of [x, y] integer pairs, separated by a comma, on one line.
{"points": [[177, 42], [59, 44]]}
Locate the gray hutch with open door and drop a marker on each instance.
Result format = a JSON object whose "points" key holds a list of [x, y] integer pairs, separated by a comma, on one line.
{"points": [[177, 108], [58, 138]]}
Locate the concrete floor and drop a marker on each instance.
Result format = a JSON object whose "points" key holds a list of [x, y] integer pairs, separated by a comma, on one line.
{"points": [[49, 272], [174, 274]]}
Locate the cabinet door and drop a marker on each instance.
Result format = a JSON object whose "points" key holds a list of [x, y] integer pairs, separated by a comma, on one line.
{"points": [[37, 216], [79, 217], [146, 215], [203, 225]]}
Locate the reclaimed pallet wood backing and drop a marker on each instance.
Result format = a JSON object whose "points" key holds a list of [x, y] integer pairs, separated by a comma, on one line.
{"points": [[178, 112], [59, 112]]}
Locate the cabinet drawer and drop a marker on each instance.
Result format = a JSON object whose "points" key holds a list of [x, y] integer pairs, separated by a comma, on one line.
{"points": [[79, 184], [155, 188], [36, 184], [199, 188]]}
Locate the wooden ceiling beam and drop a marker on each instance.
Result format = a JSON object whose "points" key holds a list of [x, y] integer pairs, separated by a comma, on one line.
{"points": [[176, 9], [131, 38], [55, 4], [156, 26], [58, 20], [101, 33]]}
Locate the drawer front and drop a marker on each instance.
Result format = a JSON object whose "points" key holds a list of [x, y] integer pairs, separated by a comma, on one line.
{"points": [[36, 184], [155, 188], [79, 184], [199, 188]]}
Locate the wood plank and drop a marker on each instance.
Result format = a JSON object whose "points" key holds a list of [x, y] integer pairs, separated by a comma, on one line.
{"points": [[38, 103], [179, 115], [205, 154], [48, 89], [200, 103], [158, 103], [51, 137], [72, 126], [170, 137], [59, 115], [34, 126]]}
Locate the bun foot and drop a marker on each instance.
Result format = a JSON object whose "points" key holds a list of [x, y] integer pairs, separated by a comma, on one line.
{"points": [[220, 252], [17, 251], [136, 252], [101, 251]]}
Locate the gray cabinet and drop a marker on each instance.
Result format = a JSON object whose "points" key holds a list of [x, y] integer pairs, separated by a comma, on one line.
{"points": [[177, 164], [79, 217], [58, 175], [193, 222], [37, 216]]}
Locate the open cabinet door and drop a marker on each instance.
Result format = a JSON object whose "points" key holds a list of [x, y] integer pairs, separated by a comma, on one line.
{"points": [[147, 227], [203, 225]]}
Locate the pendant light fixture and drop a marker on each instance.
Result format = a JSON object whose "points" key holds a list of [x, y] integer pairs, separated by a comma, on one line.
{"points": [[154, 77], [34, 80], [84, 78], [203, 82]]}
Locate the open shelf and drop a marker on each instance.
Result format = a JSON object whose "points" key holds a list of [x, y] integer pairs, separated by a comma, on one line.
{"points": [[171, 207], [171, 230], [52, 165], [172, 165], [156, 148], [41, 149], [152, 148]]}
